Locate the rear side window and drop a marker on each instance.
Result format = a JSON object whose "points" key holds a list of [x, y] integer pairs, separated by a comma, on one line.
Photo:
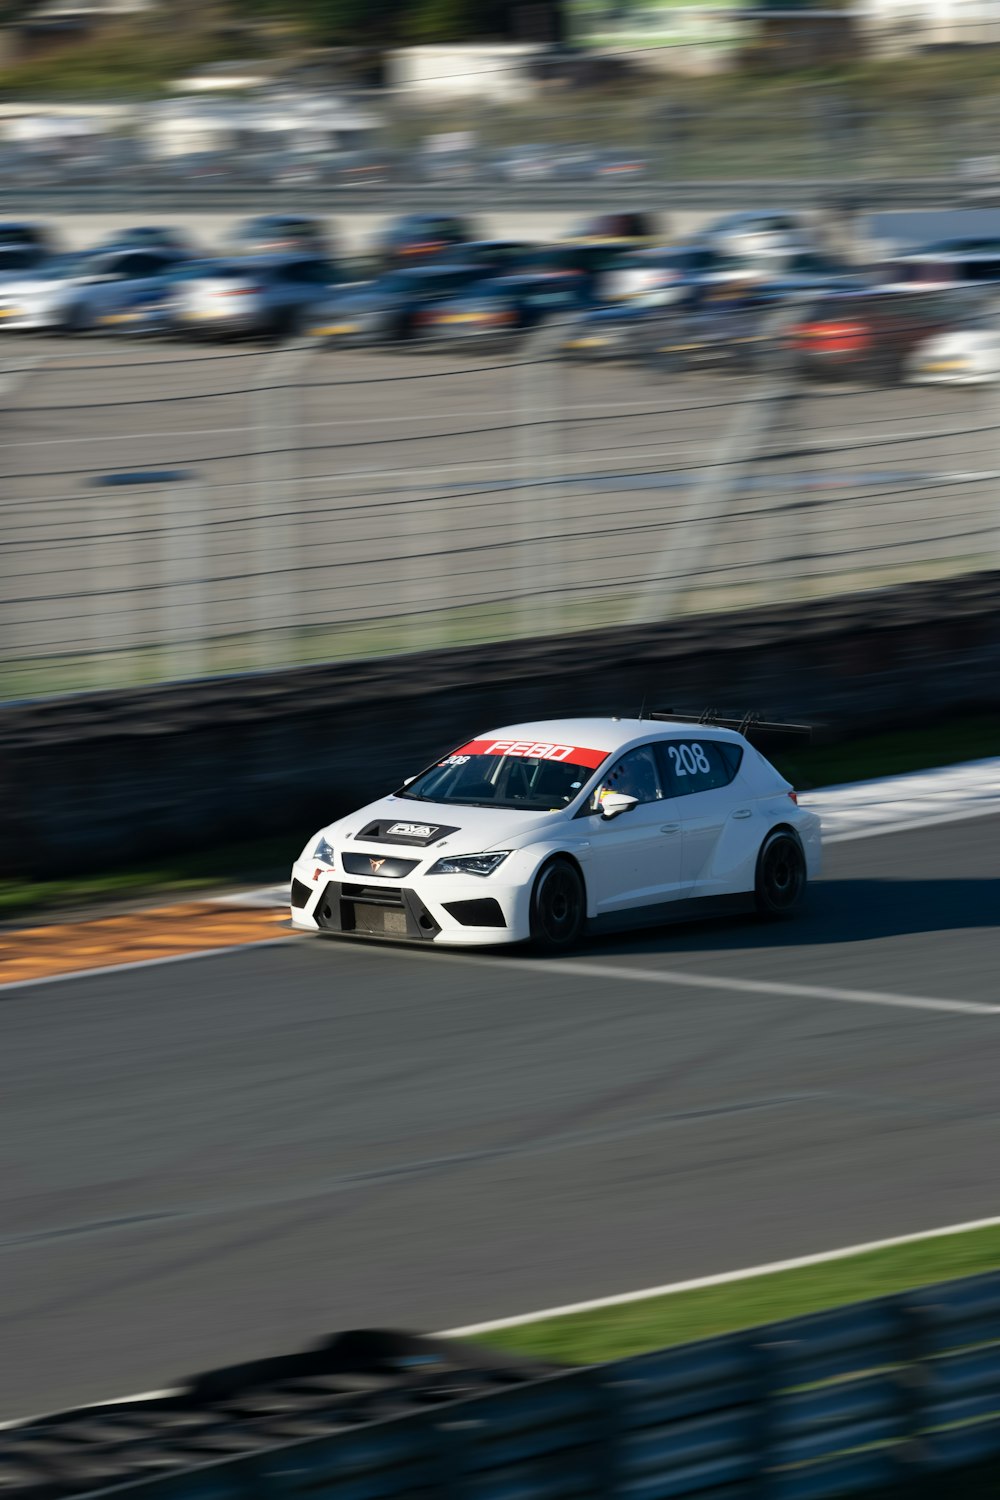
{"points": [[697, 765]]}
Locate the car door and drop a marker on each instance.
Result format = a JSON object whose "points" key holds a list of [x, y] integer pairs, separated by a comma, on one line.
{"points": [[634, 858], [134, 274], [698, 774]]}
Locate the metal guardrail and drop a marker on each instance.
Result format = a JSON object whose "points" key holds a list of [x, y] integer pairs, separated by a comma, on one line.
{"points": [[721, 194], [892, 1392]]}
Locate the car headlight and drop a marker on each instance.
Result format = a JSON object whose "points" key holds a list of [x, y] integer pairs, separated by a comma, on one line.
{"points": [[323, 852], [469, 864]]}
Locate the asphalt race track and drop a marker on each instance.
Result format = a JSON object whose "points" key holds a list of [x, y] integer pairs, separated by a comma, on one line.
{"points": [[217, 1159]]}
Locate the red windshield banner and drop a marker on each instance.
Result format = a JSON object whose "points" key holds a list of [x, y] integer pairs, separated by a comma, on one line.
{"points": [[574, 755]]}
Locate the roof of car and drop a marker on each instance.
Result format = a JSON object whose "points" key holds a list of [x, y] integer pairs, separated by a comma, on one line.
{"points": [[603, 733]]}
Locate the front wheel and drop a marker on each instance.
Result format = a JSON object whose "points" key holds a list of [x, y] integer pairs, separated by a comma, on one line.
{"points": [[780, 883], [558, 907]]}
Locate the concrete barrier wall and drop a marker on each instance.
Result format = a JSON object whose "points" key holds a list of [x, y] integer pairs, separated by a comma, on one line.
{"points": [[132, 776]]}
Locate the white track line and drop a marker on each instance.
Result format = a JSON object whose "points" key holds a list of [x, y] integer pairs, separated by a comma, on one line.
{"points": [[800, 1262], [619, 972]]}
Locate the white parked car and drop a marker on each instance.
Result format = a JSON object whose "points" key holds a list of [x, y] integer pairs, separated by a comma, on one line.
{"points": [[968, 354], [756, 235], [74, 293], [544, 831]]}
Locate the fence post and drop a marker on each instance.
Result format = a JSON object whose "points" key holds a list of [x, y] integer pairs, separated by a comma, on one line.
{"points": [[274, 523], [540, 470], [703, 518]]}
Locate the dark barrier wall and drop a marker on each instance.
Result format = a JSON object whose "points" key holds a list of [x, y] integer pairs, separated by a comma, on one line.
{"points": [[135, 775]]}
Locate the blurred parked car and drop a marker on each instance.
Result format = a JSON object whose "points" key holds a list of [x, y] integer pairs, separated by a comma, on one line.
{"points": [[495, 255], [259, 295], [502, 305], [626, 227], [364, 168], [967, 353], [272, 234], [758, 234], [662, 273], [618, 168], [23, 246], [594, 262], [732, 333], [415, 237], [639, 326], [615, 331], [963, 262], [391, 308], [867, 335], [562, 163], [74, 293], [200, 168], [148, 237]]}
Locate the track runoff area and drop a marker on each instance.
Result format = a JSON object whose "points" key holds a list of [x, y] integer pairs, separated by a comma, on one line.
{"points": [[221, 1158]]}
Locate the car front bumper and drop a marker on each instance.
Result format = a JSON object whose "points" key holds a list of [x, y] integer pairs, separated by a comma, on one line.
{"points": [[27, 318], [458, 910]]}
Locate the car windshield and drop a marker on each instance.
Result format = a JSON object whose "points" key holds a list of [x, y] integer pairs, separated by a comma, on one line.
{"points": [[18, 258], [508, 773]]}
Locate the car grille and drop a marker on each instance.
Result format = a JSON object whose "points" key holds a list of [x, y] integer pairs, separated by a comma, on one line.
{"points": [[389, 868], [374, 911], [381, 895]]}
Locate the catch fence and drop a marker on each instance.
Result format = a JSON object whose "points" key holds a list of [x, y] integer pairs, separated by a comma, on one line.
{"points": [[171, 512]]}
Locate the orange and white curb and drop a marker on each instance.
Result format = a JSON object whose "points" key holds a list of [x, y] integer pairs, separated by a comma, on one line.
{"points": [[156, 935]]}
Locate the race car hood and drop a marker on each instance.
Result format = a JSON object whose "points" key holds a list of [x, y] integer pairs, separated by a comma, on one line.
{"points": [[34, 286], [445, 827]]}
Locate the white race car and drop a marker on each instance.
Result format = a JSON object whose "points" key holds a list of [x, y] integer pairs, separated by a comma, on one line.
{"points": [[544, 831]]}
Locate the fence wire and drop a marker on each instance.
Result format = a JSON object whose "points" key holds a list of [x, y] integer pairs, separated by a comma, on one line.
{"points": [[173, 513]]}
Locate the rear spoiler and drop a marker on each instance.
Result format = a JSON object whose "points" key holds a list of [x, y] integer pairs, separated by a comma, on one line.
{"points": [[749, 725]]}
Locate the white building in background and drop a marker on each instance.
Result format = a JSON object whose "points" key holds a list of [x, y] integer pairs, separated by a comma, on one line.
{"points": [[87, 12], [899, 27], [500, 72]]}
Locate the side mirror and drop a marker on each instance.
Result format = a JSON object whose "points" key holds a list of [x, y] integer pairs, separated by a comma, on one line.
{"points": [[617, 802], [408, 780]]}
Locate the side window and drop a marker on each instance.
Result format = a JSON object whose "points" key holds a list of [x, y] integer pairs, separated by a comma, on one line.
{"points": [[697, 765], [636, 774], [141, 264]]}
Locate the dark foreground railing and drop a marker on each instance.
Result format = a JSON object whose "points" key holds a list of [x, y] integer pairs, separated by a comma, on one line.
{"points": [[894, 1395]]}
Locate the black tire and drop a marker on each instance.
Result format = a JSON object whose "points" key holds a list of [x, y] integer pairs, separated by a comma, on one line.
{"points": [[558, 907], [73, 321], [780, 881]]}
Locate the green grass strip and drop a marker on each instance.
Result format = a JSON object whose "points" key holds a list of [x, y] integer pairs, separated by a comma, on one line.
{"points": [[657, 1322]]}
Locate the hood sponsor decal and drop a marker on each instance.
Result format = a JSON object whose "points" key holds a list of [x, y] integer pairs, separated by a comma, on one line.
{"points": [[575, 755], [418, 835]]}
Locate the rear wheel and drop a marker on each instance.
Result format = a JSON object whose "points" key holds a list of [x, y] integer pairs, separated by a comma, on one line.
{"points": [[780, 883], [558, 907]]}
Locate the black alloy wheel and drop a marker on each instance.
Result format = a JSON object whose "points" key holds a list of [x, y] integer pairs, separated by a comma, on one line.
{"points": [[781, 875], [558, 907]]}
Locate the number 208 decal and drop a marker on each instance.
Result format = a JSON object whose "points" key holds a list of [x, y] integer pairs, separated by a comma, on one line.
{"points": [[689, 760]]}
